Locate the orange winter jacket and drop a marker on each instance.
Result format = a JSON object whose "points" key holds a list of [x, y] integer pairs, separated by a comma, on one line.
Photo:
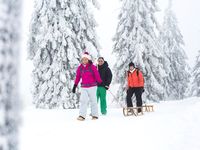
{"points": [[135, 79]]}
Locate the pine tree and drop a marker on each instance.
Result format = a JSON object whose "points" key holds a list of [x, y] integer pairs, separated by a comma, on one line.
{"points": [[136, 41], [174, 57], [9, 64], [61, 30], [195, 88]]}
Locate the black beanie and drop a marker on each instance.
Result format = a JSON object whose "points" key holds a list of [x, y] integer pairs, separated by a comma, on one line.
{"points": [[131, 64]]}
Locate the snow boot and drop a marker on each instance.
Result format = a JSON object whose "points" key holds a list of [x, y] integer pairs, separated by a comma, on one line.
{"points": [[94, 118], [80, 118], [139, 110]]}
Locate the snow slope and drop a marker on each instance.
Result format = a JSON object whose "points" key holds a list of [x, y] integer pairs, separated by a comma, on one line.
{"points": [[173, 126]]}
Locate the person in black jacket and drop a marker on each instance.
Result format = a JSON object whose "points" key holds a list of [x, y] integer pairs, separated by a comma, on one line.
{"points": [[106, 76]]}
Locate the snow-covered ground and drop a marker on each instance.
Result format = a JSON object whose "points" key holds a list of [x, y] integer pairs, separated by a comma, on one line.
{"points": [[175, 125]]}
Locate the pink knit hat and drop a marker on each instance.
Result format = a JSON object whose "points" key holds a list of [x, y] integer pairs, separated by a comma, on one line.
{"points": [[86, 55]]}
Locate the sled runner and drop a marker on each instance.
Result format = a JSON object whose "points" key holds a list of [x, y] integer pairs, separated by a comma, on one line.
{"points": [[130, 111]]}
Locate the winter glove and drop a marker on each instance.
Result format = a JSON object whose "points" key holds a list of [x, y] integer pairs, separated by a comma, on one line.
{"points": [[106, 87], [142, 90], [74, 88]]}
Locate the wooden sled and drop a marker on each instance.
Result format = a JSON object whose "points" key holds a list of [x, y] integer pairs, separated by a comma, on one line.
{"points": [[130, 111]]}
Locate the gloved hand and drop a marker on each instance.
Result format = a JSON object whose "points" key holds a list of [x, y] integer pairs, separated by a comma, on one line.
{"points": [[106, 87], [74, 88], [142, 90]]}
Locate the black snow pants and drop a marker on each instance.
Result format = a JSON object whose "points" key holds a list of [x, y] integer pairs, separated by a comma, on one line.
{"points": [[138, 94]]}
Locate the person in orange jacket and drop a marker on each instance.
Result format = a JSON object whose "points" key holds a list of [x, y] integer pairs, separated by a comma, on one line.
{"points": [[135, 85]]}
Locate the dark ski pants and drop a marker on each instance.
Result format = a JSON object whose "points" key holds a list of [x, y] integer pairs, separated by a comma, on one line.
{"points": [[138, 94]]}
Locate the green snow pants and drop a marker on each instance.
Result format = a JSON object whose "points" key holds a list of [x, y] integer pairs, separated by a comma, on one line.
{"points": [[101, 94]]}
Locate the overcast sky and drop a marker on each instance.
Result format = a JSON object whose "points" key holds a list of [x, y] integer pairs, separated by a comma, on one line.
{"points": [[186, 12]]}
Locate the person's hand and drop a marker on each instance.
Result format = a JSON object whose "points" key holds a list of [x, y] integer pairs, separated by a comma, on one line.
{"points": [[74, 88], [107, 87]]}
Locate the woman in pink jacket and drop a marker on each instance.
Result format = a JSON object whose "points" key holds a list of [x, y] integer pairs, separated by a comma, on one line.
{"points": [[90, 77]]}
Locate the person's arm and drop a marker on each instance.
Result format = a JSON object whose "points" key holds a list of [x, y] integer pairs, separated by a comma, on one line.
{"points": [[76, 81], [141, 79], [78, 76], [108, 77], [96, 74]]}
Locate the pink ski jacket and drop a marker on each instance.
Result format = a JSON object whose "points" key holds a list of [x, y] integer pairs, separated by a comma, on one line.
{"points": [[89, 75]]}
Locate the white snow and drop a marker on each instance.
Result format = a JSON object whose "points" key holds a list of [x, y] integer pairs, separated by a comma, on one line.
{"points": [[174, 125]]}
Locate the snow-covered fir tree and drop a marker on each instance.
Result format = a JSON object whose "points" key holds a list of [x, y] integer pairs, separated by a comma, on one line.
{"points": [[136, 41], [175, 57], [195, 85], [9, 64], [61, 30]]}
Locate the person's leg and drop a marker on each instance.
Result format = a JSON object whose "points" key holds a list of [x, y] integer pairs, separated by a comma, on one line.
{"points": [[138, 94], [93, 101], [103, 103], [84, 98], [98, 94], [130, 92]]}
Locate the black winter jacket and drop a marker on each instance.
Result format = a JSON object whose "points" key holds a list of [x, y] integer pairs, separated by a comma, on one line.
{"points": [[106, 74]]}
